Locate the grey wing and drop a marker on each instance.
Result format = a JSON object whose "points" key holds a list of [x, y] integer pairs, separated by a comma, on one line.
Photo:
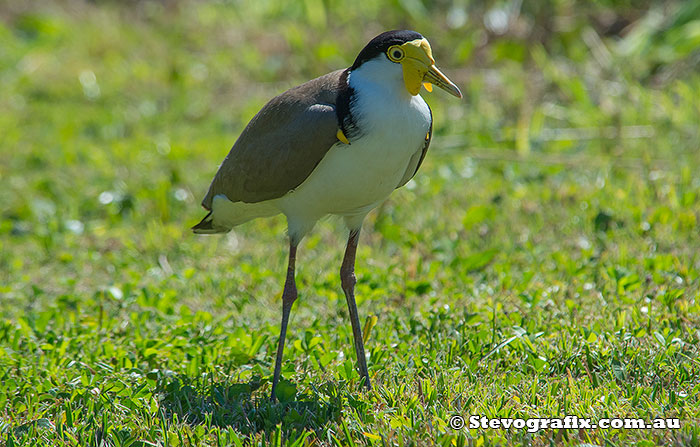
{"points": [[418, 157], [281, 145]]}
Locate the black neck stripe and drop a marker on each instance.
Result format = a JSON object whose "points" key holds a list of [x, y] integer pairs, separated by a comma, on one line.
{"points": [[342, 106]]}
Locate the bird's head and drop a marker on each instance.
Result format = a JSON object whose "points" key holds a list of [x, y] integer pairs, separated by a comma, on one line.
{"points": [[411, 51]]}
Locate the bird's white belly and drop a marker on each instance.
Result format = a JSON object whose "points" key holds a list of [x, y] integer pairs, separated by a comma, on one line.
{"points": [[352, 179]]}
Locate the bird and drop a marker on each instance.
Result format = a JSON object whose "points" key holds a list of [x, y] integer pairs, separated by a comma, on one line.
{"points": [[338, 144]]}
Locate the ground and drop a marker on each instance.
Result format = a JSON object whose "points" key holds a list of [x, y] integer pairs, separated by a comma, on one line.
{"points": [[542, 263]]}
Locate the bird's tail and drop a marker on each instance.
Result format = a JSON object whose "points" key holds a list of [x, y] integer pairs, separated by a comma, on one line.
{"points": [[207, 226]]}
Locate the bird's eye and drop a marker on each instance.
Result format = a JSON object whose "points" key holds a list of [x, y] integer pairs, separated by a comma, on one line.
{"points": [[395, 53]]}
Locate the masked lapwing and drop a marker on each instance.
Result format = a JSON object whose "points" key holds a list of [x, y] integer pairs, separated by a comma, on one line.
{"points": [[338, 144]]}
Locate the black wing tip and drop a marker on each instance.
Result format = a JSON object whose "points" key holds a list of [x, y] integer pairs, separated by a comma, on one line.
{"points": [[206, 226], [203, 224]]}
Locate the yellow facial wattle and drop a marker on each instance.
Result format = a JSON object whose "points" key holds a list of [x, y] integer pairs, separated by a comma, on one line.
{"points": [[416, 59]]}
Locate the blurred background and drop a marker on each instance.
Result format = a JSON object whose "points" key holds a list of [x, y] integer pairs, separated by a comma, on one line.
{"points": [[132, 104], [116, 114]]}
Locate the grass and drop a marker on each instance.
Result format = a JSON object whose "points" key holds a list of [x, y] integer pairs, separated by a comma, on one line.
{"points": [[542, 263]]}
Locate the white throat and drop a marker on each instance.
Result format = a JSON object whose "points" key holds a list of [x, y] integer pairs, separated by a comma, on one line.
{"points": [[381, 100], [379, 75]]}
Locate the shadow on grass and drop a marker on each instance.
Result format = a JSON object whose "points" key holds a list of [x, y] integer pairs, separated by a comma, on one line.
{"points": [[246, 407]]}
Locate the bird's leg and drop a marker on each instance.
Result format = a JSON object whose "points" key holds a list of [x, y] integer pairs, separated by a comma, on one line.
{"points": [[288, 297], [348, 280]]}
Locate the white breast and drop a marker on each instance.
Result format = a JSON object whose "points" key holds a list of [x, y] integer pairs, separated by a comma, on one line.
{"points": [[352, 179]]}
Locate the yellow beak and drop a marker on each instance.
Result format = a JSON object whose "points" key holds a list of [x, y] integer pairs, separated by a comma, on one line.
{"points": [[419, 68]]}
